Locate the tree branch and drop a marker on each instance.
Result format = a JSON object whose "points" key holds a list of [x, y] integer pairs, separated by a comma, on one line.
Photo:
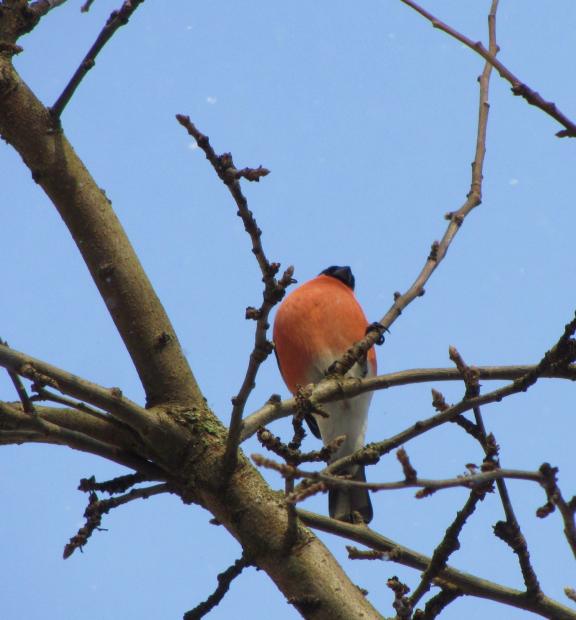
{"points": [[17, 426], [41, 7], [508, 531], [561, 355], [99, 507], [428, 486], [108, 399], [445, 549], [468, 583], [274, 290], [334, 389], [132, 302], [224, 581], [518, 87], [555, 499], [116, 20]]}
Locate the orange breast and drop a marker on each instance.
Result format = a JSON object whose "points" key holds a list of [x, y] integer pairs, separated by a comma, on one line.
{"points": [[314, 326]]}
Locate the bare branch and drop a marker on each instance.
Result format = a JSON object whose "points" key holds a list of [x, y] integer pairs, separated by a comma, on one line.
{"points": [[37, 429], [518, 87], [477, 482], [508, 531], [43, 374], [42, 394], [97, 507], [121, 484], [27, 404], [566, 509], [444, 550], [466, 582], [125, 289], [339, 388], [86, 6], [274, 290], [117, 19], [224, 581], [436, 605], [41, 7]]}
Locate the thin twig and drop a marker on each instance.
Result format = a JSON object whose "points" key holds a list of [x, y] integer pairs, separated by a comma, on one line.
{"points": [[27, 404], [296, 457], [41, 7], [508, 531], [446, 548], [468, 481], [468, 583], [439, 248], [41, 394], [108, 399], [561, 355], [274, 290], [116, 19], [121, 484], [338, 389], [224, 581], [566, 509], [518, 87], [97, 507], [436, 605]]}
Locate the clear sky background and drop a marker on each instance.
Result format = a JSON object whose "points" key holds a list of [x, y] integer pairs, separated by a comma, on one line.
{"points": [[366, 117]]}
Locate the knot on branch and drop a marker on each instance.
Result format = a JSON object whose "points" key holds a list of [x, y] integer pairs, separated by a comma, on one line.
{"points": [[252, 174], [163, 340], [454, 216], [252, 313], [510, 533], [10, 49], [433, 256], [38, 379], [379, 330], [305, 604]]}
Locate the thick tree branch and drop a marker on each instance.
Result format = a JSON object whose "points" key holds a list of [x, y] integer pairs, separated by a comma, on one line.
{"points": [[137, 312], [187, 437], [17, 426], [102, 428]]}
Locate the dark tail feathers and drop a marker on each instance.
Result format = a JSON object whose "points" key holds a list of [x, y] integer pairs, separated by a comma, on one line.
{"points": [[343, 502]]}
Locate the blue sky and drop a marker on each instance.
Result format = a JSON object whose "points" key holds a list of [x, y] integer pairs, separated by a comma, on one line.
{"points": [[366, 117]]}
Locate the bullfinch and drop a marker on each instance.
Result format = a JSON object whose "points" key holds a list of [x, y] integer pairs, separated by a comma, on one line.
{"points": [[314, 326]]}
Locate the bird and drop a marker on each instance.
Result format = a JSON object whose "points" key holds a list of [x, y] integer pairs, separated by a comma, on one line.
{"points": [[314, 326]]}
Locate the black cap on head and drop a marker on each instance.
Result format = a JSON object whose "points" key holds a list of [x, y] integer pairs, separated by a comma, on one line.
{"points": [[344, 274]]}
